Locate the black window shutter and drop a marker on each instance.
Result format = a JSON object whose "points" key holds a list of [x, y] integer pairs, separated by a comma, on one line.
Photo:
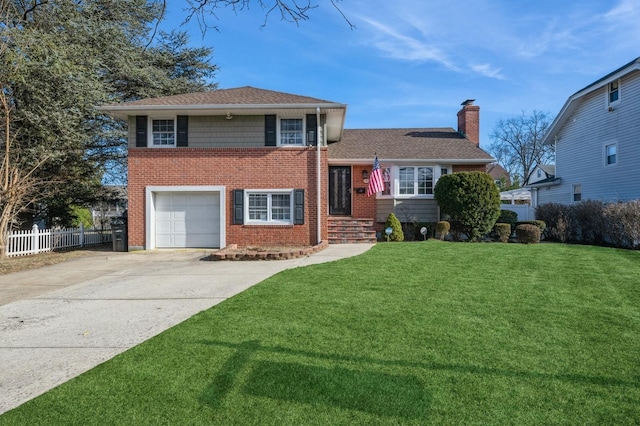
{"points": [[270, 124], [183, 131], [141, 131], [238, 206], [312, 129], [298, 207]]}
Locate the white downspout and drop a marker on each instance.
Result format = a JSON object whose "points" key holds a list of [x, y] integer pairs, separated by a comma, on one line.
{"points": [[319, 177]]}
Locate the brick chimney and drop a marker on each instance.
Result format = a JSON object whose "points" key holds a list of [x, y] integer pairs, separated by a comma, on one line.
{"points": [[469, 121]]}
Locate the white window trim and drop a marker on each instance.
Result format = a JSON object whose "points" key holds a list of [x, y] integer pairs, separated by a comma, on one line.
{"points": [[150, 131], [605, 159], [573, 193], [304, 130], [395, 180], [248, 192], [608, 92]]}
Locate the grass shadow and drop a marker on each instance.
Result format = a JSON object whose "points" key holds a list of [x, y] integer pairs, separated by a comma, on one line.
{"points": [[371, 392]]}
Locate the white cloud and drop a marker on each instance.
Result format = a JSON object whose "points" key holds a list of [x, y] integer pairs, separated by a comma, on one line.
{"points": [[488, 71], [400, 46]]}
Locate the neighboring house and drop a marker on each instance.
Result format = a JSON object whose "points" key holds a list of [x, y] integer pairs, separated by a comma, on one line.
{"points": [[499, 175], [114, 205], [596, 137], [540, 173], [255, 167]]}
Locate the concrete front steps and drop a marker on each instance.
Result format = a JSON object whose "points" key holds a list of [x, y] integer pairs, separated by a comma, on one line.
{"points": [[348, 230]]}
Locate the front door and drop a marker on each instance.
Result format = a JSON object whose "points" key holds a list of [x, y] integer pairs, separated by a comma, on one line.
{"points": [[340, 190]]}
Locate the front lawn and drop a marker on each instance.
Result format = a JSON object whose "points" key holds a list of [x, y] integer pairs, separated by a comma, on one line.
{"points": [[408, 333]]}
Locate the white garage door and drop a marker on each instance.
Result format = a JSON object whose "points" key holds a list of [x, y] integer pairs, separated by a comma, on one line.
{"points": [[187, 219]]}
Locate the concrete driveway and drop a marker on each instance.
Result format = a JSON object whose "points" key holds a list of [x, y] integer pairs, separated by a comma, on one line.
{"points": [[59, 321]]}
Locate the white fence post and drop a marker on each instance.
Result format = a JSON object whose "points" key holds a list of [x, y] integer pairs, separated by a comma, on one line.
{"points": [[81, 235], [35, 245]]}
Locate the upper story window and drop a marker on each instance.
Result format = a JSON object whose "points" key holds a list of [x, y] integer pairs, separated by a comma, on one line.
{"points": [[539, 173], [614, 91], [611, 154], [163, 132], [291, 131]]}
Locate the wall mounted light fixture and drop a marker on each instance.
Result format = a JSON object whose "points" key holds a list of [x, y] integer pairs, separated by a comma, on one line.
{"points": [[229, 116], [365, 176]]}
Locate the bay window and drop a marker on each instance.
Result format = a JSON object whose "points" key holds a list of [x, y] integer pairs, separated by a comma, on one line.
{"points": [[411, 181], [415, 181]]}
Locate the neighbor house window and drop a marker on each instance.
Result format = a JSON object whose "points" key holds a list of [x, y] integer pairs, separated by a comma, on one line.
{"points": [[415, 180], [291, 131], [611, 154], [163, 132], [269, 207], [614, 91], [577, 192]]}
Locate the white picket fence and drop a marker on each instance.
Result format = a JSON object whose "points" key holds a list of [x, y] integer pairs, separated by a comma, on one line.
{"points": [[22, 243]]}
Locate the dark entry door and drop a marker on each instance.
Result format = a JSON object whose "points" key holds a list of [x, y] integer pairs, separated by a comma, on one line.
{"points": [[340, 190]]}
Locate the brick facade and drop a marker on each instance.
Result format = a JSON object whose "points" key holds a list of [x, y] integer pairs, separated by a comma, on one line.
{"points": [[362, 206], [233, 168]]}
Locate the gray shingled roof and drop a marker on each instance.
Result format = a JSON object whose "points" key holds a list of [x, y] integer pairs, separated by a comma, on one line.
{"points": [[406, 144], [238, 96]]}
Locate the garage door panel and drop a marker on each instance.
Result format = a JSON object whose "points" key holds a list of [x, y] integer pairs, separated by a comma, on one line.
{"points": [[187, 219]]}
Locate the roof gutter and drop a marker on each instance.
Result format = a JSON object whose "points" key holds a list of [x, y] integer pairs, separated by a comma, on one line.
{"points": [[367, 161]]}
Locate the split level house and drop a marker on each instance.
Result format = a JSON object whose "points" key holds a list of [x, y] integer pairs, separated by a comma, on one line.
{"points": [[597, 143], [256, 167]]}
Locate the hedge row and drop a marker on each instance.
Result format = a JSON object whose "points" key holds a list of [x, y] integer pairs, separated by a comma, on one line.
{"points": [[592, 222]]}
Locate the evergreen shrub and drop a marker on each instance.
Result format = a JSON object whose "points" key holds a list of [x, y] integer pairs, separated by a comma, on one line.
{"points": [[442, 229], [394, 223], [528, 234], [502, 231], [470, 199]]}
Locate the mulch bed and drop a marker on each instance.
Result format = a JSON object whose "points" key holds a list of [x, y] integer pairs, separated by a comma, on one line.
{"points": [[265, 253]]}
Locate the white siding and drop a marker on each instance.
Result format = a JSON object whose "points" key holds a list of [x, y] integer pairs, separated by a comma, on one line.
{"points": [[580, 150]]}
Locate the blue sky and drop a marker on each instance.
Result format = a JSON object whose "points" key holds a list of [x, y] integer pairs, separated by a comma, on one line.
{"points": [[410, 63]]}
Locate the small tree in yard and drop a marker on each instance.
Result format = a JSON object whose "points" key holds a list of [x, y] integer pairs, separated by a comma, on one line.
{"points": [[394, 223], [471, 199]]}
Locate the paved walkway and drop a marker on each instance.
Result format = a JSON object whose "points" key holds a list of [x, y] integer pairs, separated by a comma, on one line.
{"points": [[59, 321]]}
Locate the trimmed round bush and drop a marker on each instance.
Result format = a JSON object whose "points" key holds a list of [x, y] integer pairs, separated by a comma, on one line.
{"points": [[471, 199], [507, 216], [528, 234], [394, 223], [502, 231], [442, 229]]}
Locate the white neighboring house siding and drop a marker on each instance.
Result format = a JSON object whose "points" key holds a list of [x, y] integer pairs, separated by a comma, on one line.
{"points": [[580, 150]]}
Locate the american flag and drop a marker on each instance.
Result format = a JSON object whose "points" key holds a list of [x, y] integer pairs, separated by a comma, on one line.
{"points": [[375, 179]]}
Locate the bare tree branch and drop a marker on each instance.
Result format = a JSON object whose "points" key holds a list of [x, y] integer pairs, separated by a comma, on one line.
{"points": [[517, 144], [293, 11]]}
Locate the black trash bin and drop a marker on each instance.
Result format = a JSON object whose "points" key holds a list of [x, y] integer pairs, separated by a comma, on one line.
{"points": [[119, 234]]}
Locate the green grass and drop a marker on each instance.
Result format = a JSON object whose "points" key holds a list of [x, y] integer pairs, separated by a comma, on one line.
{"points": [[408, 333]]}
